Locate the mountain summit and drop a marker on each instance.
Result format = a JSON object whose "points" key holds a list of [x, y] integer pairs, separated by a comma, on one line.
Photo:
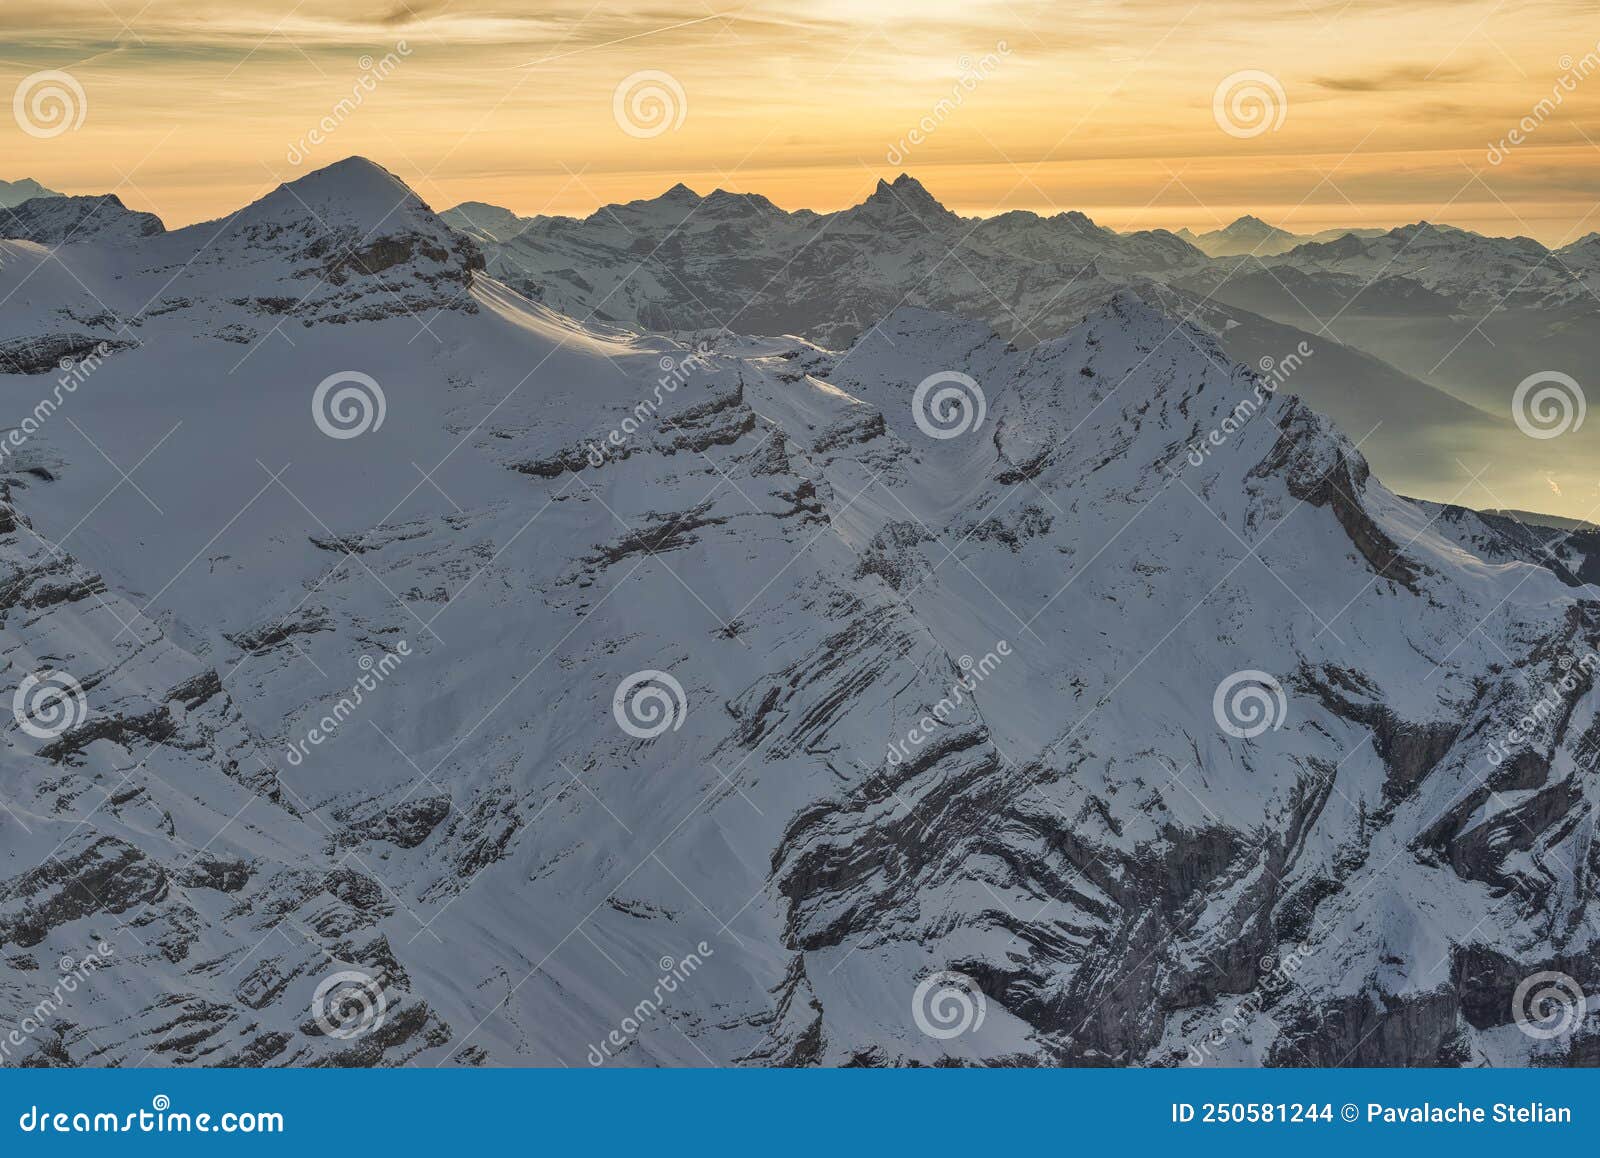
{"points": [[16, 192]]}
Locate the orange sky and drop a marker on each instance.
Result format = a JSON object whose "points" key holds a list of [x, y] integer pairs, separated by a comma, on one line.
{"points": [[1386, 114]]}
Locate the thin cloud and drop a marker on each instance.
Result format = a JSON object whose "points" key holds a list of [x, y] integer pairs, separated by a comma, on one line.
{"points": [[1397, 78]]}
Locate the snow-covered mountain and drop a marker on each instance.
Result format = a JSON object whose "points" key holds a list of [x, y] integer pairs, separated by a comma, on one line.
{"points": [[487, 223], [1408, 351], [571, 695], [683, 261], [1464, 267], [54, 220], [1470, 314], [1249, 235], [16, 192]]}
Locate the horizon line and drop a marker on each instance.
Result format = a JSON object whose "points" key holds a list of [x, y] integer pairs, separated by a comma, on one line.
{"points": [[966, 214]]}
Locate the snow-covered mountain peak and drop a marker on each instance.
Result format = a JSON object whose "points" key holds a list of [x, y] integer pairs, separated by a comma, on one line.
{"points": [[350, 194], [347, 239], [903, 196], [485, 223], [55, 220], [1247, 225], [1083, 223], [16, 192], [724, 203]]}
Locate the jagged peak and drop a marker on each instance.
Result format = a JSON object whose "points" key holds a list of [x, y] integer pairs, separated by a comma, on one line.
{"points": [[905, 192]]}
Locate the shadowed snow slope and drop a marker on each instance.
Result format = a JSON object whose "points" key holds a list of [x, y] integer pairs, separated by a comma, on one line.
{"points": [[824, 823]]}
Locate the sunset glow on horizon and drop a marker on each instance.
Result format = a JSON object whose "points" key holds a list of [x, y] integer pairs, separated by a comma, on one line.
{"points": [[1390, 113]]}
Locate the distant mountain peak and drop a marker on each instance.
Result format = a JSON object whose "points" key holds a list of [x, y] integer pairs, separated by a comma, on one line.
{"points": [[355, 183], [486, 222], [58, 220], [905, 192], [1250, 226], [26, 189]]}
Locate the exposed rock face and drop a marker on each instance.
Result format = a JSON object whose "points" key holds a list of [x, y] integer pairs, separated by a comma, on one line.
{"points": [[55, 353]]}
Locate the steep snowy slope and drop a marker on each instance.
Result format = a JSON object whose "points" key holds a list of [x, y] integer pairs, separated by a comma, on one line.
{"points": [[592, 697]]}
